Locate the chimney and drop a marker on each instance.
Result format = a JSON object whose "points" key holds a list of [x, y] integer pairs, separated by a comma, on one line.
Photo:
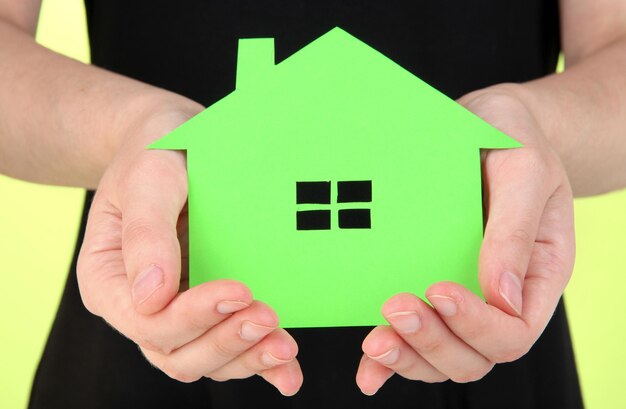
{"points": [[255, 58]]}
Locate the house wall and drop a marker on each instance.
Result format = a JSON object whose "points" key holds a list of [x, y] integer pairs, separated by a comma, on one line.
{"points": [[426, 226]]}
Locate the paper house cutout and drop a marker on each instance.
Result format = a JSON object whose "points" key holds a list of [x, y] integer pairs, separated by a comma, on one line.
{"points": [[332, 181]]}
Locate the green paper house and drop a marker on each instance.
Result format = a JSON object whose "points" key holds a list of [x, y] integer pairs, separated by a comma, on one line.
{"points": [[332, 181]]}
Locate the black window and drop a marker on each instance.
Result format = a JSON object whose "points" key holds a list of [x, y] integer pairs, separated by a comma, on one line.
{"points": [[314, 220], [354, 191], [313, 192], [355, 219], [315, 210]]}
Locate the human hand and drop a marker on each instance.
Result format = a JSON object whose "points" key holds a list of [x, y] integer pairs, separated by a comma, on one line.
{"points": [[132, 271], [525, 262]]}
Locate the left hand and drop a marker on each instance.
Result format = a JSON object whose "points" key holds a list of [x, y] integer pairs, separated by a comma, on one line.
{"points": [[526, 260]]}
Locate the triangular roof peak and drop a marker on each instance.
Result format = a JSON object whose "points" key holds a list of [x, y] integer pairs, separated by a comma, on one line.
{"points": [[338, 69], [256, 57]]}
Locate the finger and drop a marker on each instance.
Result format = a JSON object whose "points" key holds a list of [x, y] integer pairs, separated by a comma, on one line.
{"points": [[371, 375], [105, 292], [515, 205], [189, 315], [497, 335], [218, 346], [277, 348], [552, 261], [100, 261], [286, 378], [422, 329], [386, 347], [485, 328], [155, 193]]}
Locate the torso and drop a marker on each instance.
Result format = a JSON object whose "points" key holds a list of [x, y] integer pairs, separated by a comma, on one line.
{"points": [[189, 47]]}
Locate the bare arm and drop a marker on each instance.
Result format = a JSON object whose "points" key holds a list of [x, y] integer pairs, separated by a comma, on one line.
{"points": [[61, 121], [582, 111]]}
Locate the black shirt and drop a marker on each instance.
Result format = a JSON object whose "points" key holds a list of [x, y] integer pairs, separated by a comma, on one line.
{"points": [[189, 47]]}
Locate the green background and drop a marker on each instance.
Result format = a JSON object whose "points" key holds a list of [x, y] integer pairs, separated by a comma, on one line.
{"points": [[38, 226]]}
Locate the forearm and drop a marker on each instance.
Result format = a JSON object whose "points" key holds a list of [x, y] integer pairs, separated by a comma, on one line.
{"points": [[582, 111], [62, 121]]}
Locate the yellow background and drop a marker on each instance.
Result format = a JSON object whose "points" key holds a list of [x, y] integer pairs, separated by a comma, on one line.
{"points": [[38, 226]]}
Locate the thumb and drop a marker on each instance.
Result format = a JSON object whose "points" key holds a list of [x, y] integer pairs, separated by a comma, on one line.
{"points": [[515, 201], [154, 195]]}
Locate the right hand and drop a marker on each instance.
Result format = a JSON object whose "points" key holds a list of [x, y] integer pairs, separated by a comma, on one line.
{"points": [[132, 272]]}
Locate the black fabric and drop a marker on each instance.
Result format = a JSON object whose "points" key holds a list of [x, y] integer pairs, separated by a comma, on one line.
{"points": [[190, 47]]}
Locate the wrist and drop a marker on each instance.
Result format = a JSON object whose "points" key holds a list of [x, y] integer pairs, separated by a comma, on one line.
{"points": [[524, 95], [509, 107], [146, 118], [131, 161]]}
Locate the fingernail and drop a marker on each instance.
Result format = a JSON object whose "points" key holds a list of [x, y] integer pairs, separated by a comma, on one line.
{"points": [[405, 322], [445, 306], [253, 332], [270, 360], [511, 291], [228, 307], [388, 358], [146, 283]]}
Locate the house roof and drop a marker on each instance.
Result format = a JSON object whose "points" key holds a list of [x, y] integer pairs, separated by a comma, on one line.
{"points": [[334, 85]]}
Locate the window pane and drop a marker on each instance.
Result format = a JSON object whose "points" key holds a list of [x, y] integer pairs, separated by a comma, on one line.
{"points": [[313, 220], [313, 192], [354, 191], [355, 219]]}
